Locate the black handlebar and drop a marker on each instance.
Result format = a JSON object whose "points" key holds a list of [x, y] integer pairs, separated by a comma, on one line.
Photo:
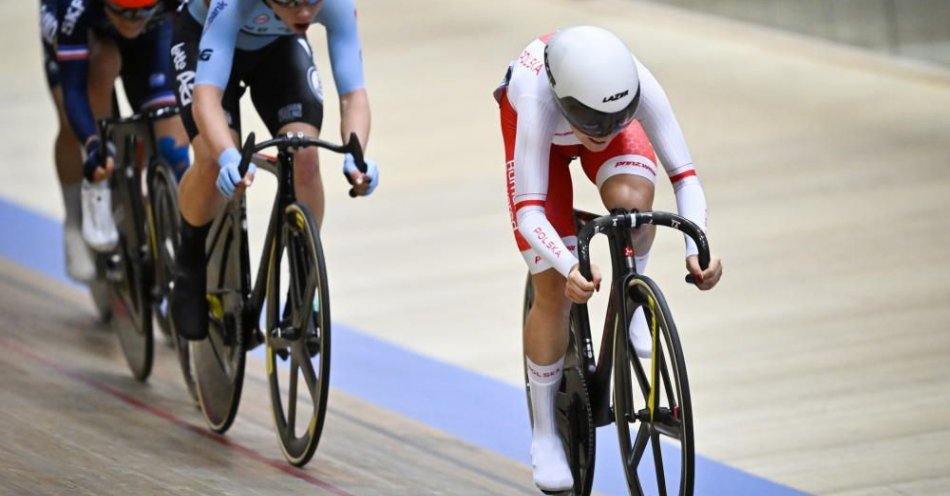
{"points": [[293, 141], [629, 220]]}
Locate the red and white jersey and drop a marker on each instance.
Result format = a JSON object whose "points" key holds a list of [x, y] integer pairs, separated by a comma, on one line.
{"points": [[540, 125]]}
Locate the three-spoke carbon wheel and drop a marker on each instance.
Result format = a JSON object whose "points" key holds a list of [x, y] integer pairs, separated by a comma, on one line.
{"points": [[573, 413], [298, 335], [651, 402], [128, 271], [218, 360]]}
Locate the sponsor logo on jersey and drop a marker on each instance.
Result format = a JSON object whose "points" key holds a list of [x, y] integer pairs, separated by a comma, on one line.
{"points": [[218, 7], [262, 19], [48, 25], [179, 58], [616, 97], [634, 163], [186, 83], [290, 113], [510, 171], [546, 242], [73, 12], [531, 62]]}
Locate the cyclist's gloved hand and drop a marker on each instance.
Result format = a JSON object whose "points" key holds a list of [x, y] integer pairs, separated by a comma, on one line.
{"points": [[98, 165], [363, 184], [229, 178]]}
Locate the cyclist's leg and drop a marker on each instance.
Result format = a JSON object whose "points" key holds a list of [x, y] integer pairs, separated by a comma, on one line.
{"points": [[80, 263], [98, 226], [546, 326], [198, 197], [286, 91], [625, 174], [67, 156], [147, 78]]}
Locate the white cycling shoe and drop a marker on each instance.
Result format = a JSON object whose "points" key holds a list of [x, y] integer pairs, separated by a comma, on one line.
{"points": [[640, 334], [551, 472], [98, 226]]}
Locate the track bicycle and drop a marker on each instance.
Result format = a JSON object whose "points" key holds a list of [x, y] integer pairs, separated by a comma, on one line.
{"points": [[132, 280], [649, 399], [290, 290]]}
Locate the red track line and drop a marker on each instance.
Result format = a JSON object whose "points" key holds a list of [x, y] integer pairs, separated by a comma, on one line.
{"points": [[174, 419]]}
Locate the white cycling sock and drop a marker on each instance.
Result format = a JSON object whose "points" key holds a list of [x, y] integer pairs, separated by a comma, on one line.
{"points": [[544, 380], [72, 203], [639, 331], [641, 262], [551, 470]]}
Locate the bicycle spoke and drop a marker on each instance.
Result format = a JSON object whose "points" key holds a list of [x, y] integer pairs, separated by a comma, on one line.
{"points": [[292, 397], [639, 446], [307, 369], [658, 463]]}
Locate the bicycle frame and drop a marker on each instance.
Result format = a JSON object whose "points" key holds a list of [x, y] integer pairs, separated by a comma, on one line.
{"points": [[130, 269], [283, 169], [617, 227]]}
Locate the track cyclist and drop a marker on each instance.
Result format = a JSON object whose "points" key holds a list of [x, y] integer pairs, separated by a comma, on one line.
{"points": [[86, 45], [222, 47], [579, 92]]}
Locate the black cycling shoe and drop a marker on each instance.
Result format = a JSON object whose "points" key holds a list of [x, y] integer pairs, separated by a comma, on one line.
{"points": [[189, 306]]}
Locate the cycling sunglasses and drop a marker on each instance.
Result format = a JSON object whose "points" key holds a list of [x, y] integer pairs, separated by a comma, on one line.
{"points": [[132, 13], [295, 3]]}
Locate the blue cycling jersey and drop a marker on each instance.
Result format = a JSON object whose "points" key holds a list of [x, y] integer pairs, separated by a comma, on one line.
{"points": [[250, 25]]}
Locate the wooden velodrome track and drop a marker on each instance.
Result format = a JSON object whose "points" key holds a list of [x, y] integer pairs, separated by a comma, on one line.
{"points": [[821, 362]]}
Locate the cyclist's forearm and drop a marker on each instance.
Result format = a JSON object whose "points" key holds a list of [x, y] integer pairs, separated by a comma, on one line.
{"points": [[210, 118], [355, 116], [541, 235], [691, 203]]}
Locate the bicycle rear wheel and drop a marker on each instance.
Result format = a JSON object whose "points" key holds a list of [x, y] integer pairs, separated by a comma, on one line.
{"points": [[573, 409], [163, 194], [298, 335], [218, 361], [658, 455], [128, 271]]}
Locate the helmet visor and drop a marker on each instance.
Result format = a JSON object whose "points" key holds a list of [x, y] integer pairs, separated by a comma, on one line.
{"points": [[595, 123]]}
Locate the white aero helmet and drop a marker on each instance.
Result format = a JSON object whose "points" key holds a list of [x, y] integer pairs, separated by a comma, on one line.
{"points": [[594, 79]]}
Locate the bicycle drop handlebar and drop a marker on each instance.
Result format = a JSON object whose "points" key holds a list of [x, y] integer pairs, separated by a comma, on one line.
{"points": [[293, 141], [630, 220]]}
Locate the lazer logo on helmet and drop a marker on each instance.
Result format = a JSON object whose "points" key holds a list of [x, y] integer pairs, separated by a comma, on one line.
{"points": [[616, 97]]}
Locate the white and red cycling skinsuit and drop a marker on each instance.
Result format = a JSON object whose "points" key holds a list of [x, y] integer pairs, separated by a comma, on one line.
{"points": [[539, 146]]}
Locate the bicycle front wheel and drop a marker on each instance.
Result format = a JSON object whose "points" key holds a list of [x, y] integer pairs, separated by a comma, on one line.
{"points": [[128, 271], [298, 335], [218, 361], [658, 454], [163, 195]]}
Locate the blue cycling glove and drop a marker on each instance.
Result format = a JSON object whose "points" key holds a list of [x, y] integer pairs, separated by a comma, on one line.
{"points": [[94, 158], [372, 172], [229, 177]]}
